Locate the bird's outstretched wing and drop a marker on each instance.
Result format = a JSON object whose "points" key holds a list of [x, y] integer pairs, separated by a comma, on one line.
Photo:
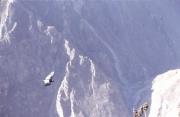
{"points": [[50, 76]]}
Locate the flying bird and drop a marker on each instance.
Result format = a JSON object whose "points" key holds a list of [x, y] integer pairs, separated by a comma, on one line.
{"points": [[49, 79]]}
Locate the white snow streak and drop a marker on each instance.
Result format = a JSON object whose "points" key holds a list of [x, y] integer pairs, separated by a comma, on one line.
{"points": [[70, 53], [64, 85], [165, 96], [62, 90], [4, 17], [93, 71], [72, 103]]}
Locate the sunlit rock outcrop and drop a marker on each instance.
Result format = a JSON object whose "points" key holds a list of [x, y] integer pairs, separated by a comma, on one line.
{"points": [[85, 91], [165, 101]]}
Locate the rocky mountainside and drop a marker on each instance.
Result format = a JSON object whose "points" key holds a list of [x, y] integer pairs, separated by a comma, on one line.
{"points": [[104, 54], [165, 96]]}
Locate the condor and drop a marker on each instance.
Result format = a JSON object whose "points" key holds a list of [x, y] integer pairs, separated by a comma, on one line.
{"points": [[49, 79]]}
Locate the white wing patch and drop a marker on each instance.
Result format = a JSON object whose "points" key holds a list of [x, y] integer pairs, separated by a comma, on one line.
{"points": [[48, 78]]}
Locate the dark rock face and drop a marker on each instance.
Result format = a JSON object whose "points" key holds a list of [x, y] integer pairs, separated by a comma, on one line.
{"points": [[129, 42]]}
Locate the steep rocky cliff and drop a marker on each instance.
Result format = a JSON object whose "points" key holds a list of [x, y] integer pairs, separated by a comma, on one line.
{"points": [[105, 55]]}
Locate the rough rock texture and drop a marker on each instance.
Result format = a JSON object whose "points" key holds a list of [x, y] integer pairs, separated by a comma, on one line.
{"points": [[165, 97], [105, 54]]}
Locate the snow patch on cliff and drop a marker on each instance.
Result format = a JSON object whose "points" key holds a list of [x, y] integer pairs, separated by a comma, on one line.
{"points": [[165, 97], [70, 53], [4, 14], [63, 93]]}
